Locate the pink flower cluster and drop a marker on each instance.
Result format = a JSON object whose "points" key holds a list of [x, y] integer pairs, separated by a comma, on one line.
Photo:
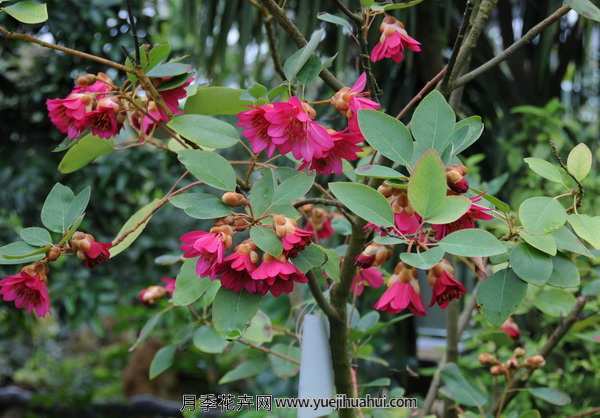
{"points": [[393, 41], [28, 289], [95, 104], [290, 127], [244, 269]]}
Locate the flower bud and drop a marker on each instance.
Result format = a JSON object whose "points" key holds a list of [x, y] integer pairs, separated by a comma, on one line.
{"points": [[455, 177], [151, 294], [234, 199], [498, 370], [535, 362], [486, 359], [85, 80], [519, 352], [53, 253], [385, 190]]}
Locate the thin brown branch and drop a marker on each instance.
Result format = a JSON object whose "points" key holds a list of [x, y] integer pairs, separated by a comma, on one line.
{"points": [[319, 297], [69, 51], [528, 37], [268, 351], [355, 17], [457, 44], [422, 93], [279, 15], [318, 201], [272, 39]]}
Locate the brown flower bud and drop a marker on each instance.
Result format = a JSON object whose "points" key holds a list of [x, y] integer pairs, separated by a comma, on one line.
{"points": [[498, 370], [535, 362], [512, 363], [486, 359], [385, 190], [519, 352], [53, 253], [234, 199], [85, 80]]}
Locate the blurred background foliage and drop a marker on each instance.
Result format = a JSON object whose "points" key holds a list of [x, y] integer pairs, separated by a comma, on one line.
{"points": [[549, 91]]}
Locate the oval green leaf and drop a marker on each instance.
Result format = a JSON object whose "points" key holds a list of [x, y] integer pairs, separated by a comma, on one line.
{"points": [[209, 167], [387, 135], [365, 202], [472, 243], [205, 131], [500, 295]]}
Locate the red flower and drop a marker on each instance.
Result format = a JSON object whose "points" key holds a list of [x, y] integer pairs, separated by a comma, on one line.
{"points": [[169, 284], [344, 148], [510, 328], [237, 269], [209, 247], [279, 274], [370, 277], [402, 293], [443, 284], [151, 294], [293, 239], [69, 114], [28, 289], [319, 222], [455, 177], [394, 39], [475, 212], [89, 250], [373, 255], [255, 128], [349, 100], [104, 120]]}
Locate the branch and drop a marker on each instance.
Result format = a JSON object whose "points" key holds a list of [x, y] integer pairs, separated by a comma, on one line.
{"points": [[268, 351], [356, 18], [133, 28], [279, 14], [557, 335], [318, 201], [69, 51], [422, 93], [271, 37], [532, 33], [313, 285]]}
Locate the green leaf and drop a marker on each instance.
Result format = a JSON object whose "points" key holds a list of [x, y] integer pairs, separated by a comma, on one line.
{"points": [[243, 371], [310, 71], [500, 295], [293, 188], [61, 207], [283, 368], [553, 396], [564, 273], [542, 214], [567, 241], [158, 54], [134, 227], [162, 361], [396, 6], [378, 171], [336, 20], [530, 264], [28, 11], [298, 59], [201, 205], [233, 311], [311, 257], [387, 135], [261, 195], [472, 243], [169, 69], [432, 123], [19, 253], [545, 169], [587, 228], [452, 208], [260, 330], [457, 387], [147, 329], [266, 240], [38, 237], [554, 302], [205, 131], [83, 152], [466, 132], [217, 101], [585, 8], [424, 260], [427, 185], [365, 202], [207, 340], [209, 167], [543, 242], [188, 286]]}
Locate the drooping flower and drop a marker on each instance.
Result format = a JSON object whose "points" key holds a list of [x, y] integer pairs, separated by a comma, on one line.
{"points": [[455, 177], [349, 100], [28, 289], [293, 238], [151, 294], [345, 147], [105, 120], [171, 97], [279, 274], [476, 212], [209, 247], [510, 328], [236, 271], [394, 39], [293, 129], [406, 220], [402, 293], [69, 114], [444, 287], [318, 222], [255, 128], [373, 255], [371, 277], [89, 250]]}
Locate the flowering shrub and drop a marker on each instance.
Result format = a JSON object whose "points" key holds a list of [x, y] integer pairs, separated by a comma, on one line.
{"points": [[401, 190]]}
